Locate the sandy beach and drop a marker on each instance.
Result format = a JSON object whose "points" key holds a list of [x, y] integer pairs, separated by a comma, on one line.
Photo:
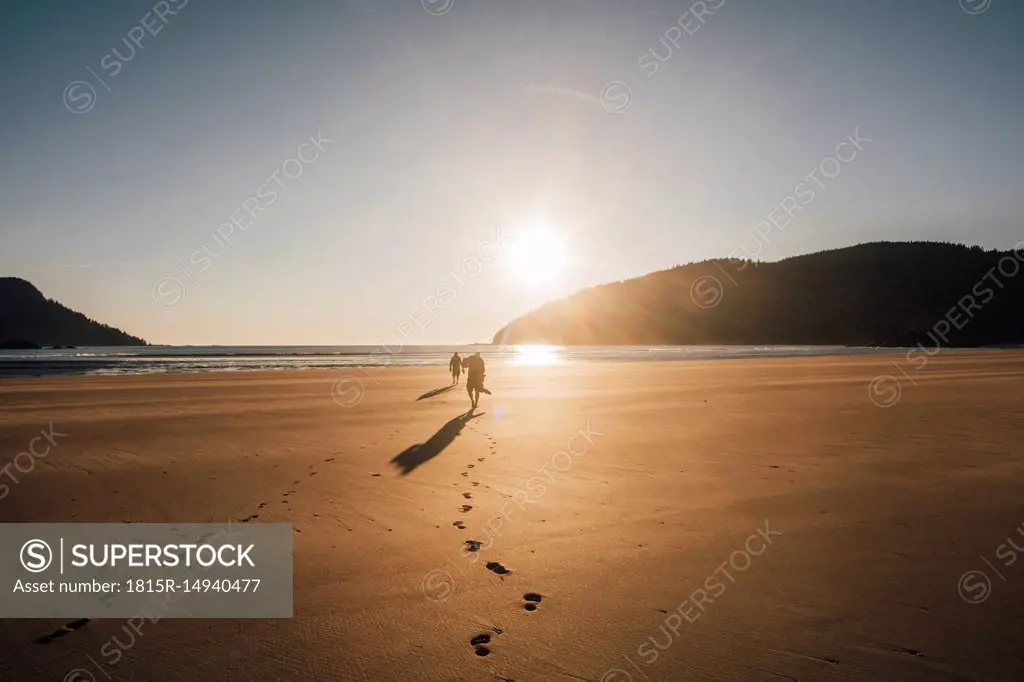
{"points": [[759, 519]]}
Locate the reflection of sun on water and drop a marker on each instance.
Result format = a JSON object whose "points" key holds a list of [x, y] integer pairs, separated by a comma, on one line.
{"points": [[537, 355]]}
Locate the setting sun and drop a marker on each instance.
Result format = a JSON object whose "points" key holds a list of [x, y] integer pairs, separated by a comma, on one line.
{"points": [[537, 254]]}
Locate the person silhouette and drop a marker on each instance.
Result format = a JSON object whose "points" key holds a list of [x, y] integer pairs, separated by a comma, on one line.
{"points": [[476, 371], [455, 365]]}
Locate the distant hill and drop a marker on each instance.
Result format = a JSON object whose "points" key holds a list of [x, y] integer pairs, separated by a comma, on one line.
{"points": [[27, 317], [883, 293]]}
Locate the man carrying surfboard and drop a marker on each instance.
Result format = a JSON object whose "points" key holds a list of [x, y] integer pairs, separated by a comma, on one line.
{"points": [[475, 369]]}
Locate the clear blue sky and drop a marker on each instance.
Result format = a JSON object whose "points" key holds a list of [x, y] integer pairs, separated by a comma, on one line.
{"points": [[490, 113]]}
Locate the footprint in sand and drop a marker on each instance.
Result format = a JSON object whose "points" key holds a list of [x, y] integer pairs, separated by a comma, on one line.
{"points": [[479, 644], [463, 474], [329, 459], [495, 567], [480, 459], [466, 508], [63, 630], [460, 525], [470, 466], [250, 517], [476, 483], [261, 505], [468, 496], [532, 599], [473, 545]]}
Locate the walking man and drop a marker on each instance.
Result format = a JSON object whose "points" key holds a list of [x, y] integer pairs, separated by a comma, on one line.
{"points": [[455, 365], [474, 365]]}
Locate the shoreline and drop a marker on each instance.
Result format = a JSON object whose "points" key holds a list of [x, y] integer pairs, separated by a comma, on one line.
{"points": [[164, 365]]}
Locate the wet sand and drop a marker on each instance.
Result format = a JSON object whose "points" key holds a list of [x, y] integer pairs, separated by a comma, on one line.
{"points": [[722, 520]]}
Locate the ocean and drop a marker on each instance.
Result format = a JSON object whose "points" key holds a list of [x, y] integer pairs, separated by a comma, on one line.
{"points": [[169, 359]]}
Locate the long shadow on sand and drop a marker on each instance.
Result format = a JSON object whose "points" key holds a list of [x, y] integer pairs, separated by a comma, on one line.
{"points": [[436, 392], [418, 454]]}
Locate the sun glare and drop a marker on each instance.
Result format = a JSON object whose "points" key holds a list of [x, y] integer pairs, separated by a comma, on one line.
{"points": [[537, 254], [537, 355]]}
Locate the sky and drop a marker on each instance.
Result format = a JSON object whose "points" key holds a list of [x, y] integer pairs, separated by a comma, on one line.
{"points": [[327, 172]]}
